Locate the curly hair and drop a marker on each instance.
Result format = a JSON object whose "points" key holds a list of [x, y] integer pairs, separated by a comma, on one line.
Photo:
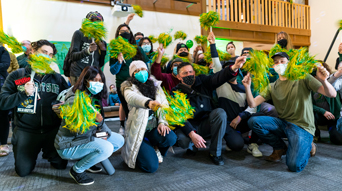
{"points": [[40, 43]]}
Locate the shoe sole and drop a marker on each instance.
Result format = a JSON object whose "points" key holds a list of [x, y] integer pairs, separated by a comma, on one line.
{"points": [[94, 171], [89, 183], [254, 155]]}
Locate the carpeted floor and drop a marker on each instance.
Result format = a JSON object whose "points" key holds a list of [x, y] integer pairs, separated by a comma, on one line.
{"points": [[182, 172]]}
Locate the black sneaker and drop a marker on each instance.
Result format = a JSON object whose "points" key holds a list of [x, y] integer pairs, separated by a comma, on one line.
{"points": [[217, 160], [94, 169], [81, 178]]}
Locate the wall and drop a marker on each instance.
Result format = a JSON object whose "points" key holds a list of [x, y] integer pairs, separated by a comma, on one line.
{"points": [[325, 16], [57, 21]]}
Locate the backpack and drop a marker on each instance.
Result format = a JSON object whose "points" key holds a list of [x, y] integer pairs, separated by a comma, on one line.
{"points": [[67, 64]]}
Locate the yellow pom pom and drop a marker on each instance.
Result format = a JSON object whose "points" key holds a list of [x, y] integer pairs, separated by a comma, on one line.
{"points": [[41, 64], [138, 10], [209, 19], [180, 35]]}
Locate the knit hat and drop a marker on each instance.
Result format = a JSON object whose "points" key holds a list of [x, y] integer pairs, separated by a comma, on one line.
{"points": [[136, 65], [94, 15], [181, 45], [176, 60]]}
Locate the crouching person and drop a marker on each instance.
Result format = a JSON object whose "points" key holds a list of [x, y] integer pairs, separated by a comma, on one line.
{"points": [[147, 134], [87, 147]]}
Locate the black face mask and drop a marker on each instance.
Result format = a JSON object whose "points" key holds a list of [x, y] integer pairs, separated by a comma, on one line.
{"points": [[189, 80], [202, 62], [183, 54], [126, 35], [282, 43]]}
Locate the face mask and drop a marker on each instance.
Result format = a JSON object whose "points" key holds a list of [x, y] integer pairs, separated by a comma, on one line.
{"points": [[202, 62], [24, 48], [95, 87], [189, 80], [141, 76], [211, 72], [175, 70], [43, 55], [282, 43], [146, 48], [113, 90], [280, 69], [183, 54], [199, 52], [126, 35], [137, 41]]}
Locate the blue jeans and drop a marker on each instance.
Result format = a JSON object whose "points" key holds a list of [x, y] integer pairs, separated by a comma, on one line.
{"points": [[271, 130], [93, 152]]}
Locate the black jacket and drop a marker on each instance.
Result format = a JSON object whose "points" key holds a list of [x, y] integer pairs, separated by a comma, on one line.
{"points": [[204, 85], [13, 94], [5, 62], [80, 56]]}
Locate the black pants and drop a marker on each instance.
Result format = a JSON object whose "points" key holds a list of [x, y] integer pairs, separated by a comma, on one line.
{"points": [[335, 136], [4, 127], [123, 101], [27, 146]]}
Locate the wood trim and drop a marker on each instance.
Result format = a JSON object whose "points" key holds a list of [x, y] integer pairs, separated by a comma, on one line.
{"points": [[1, 23]]}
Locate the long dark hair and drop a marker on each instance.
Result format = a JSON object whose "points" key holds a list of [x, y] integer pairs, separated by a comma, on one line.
{"points": [[40, 43], [89, 73], [146, 38], [147, 89], [131, 40]]}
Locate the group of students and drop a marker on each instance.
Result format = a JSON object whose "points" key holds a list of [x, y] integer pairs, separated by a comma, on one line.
{"points": [[225, 107]]}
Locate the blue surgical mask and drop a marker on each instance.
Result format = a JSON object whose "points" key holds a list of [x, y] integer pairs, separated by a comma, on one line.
{"points": [[141, 76], [44, 55], [175, 70], [24, 48], [146, 48], [137, 41], [95, 87]]}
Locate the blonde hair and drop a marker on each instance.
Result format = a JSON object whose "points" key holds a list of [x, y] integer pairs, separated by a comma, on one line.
{"points": [[287, 37], [189, 55]]}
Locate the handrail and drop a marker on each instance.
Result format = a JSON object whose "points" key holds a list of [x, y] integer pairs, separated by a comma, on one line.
{"points": [[263, 12]]}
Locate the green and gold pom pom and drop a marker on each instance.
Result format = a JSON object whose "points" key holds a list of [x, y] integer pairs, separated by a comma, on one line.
{"points": [[41, 64], [258, 66], [200, 39], [180, 35], [138, 10], [209, 19], [178, 111], [300, 65], [276, 48], [199, 69], [184, 59], [164, 39], [224, 56], [340, 24], [164, 59], [11, 42], [81, 115], [94, 29], [153, 38], [120, 45]]}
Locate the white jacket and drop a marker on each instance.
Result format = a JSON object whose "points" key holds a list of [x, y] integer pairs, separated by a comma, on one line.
{"points": [[137, 119]]}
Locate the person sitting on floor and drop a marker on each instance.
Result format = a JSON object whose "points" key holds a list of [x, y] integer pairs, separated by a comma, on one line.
{"points": [[147, 134], [293, 102]]}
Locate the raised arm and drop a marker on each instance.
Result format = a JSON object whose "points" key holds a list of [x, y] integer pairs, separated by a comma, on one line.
{"points": [[214, 55], [252, 102], [326, 89]]}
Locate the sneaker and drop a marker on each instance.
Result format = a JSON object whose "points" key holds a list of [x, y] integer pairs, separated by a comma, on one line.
{"points": [[253, 148], [122, 131], [276, 155], [4, 150], [81, 178], [94, 169], [160, 157], [218, 160], [228, 149], [313, 149]]}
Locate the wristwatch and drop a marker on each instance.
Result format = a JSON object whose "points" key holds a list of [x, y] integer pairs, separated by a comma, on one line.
{"points": [[147, 102]]}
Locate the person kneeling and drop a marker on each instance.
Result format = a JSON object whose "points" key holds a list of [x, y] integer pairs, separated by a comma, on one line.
{"points": [[88, 148], [148, 136]]}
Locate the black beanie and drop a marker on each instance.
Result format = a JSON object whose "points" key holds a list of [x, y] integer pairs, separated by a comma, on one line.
{"points": [[181, 45]]}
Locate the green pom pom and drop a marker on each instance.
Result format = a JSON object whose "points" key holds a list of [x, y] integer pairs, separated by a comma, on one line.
{"points": [[200, 69], [165, 39], [11, 42], [94, 29], [209, 19], [200, 39], [184, 59], [180, 35], [340, 24], [41, 64], [163, 61], [120, 45], [223, 56], [153, 38], [138, 10]]}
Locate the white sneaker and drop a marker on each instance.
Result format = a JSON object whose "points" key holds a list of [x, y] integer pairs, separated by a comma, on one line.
{"points": [[228, 149], [122, 131], [253, 148], [160, 157]]}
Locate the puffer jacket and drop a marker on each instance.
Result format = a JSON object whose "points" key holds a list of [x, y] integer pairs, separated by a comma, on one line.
{"points": [[137, 119], [67, 139]]}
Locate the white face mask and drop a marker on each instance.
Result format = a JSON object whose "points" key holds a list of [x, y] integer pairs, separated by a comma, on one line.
{"points": [[280, 68], [199, 52]]}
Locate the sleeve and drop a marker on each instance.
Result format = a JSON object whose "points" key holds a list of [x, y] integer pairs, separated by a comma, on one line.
{"points": [[339, 58], [5, 61], [312, 83], [187, 128], [10, 97], [156, 71], [102, 56], [266, 94], [77, 53], [335, 82], [216, 80], [217, 66], [132, 98], [248, 112], [111, 102], [115, 66], [317, 109], [163, 101]]}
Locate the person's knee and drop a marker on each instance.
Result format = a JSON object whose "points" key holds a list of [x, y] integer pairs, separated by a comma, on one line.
{"points": [[171, 138], [23, 171], [106, 149], [61, 165], [335, 136], [152, 167], [219, 113], [253, 123], [295, 166], [236, 144]]}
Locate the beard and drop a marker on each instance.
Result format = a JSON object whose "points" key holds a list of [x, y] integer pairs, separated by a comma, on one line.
{"points": [[148, 89]]}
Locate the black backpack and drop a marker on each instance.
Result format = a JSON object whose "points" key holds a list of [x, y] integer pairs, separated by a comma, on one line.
{"points": [[67, 64]]}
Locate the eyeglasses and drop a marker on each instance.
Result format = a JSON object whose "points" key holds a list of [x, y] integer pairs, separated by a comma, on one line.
{"points": [[146, 43], [245, 53]]}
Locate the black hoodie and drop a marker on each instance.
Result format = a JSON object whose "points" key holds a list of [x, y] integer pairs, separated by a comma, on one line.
{"points": [[13, 94]]}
